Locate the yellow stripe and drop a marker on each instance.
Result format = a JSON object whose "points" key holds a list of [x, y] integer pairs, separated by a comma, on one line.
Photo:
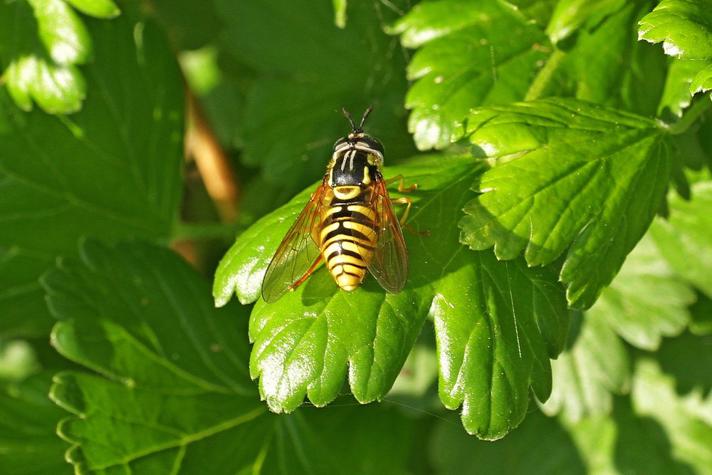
{"points": [[364, 210], [345, 259], [365, 230], [327, 229], [343, 238]]}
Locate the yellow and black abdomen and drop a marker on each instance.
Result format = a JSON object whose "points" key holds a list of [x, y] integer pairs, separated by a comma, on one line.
{"points": [[348, 237]]}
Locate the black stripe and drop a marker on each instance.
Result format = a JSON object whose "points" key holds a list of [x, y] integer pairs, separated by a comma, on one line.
{"points": [[344, 252], [346, 233], [353, 216], [348, 273]]}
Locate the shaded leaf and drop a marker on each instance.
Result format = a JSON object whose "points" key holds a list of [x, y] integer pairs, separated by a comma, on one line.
{"points": [[684, 238], [607, 66], [569, 15], [682, 83], [28, 442], [570, 175], [593, 368], [471, 53], [646, 301], [110, 171], [539, 446], [306, 70], [688, 359], [497, 323], [686, 420], [172, 379]]}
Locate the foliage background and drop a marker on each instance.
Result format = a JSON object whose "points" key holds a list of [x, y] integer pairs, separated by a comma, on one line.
{"points": [[562, 152]]}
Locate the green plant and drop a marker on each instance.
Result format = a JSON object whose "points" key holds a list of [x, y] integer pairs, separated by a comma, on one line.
{"points": [[558, 298]]}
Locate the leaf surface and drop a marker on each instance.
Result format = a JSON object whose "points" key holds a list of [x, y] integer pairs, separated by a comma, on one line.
{"points": [[470, 54], [109, 171], [685, 29], [306, 69], [43, 42], [571, 178], [594, 367], [28, 442], [684, 238], [497, 323], [170, 378]]}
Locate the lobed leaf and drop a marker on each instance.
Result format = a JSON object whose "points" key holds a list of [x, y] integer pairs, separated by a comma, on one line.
{"points": [[306, 69], [497, 323], [572, 177], [683, 26], [685, 29], [170, 378], [594, 367], [570, 15], [540, 445], [111, 171], [471, 53], [646, 301], [28, 442], [43, 42], [684, 238]]}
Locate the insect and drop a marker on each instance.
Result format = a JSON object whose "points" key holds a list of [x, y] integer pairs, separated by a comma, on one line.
{"points": [[348, 223]]}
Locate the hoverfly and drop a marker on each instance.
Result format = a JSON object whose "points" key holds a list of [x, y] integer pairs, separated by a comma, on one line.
{"points": [[348, 223]]}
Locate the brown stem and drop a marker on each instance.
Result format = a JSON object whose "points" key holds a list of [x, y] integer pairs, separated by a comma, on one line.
{"points": [[202, 145]]}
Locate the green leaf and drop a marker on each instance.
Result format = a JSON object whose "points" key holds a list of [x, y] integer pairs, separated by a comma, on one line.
{"points": [[607, 66], [28, 443], [538, 11], [497, 323], [96, 8], [172, 379], [307, 69], [646, 301], [688, 359], [627, 442], [540, 445], [111, 171], [685, 419], [189, 24], [570, 175], [42, 43], [684, 238], [684, 27], [701, 311], [569, 15], [593, 367], [682, 83], [471, 53]]}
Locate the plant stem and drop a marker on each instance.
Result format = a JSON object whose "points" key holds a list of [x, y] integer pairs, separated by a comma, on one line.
{"points": [[543, 78], [693, 113]]}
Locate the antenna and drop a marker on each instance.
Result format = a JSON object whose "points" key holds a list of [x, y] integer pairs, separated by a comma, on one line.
{"points": [[350, 118], [365, 116], [347, 114]]}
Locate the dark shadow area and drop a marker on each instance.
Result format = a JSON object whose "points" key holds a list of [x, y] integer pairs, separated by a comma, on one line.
{"points": [[539, 446], [688, 358], [642, 445]]}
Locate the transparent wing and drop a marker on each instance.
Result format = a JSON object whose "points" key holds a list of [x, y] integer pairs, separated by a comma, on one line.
{"points": [[389, 264], [298, 254]]}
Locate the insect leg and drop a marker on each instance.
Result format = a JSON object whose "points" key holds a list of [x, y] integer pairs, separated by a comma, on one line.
{"points": [[401, 187]]}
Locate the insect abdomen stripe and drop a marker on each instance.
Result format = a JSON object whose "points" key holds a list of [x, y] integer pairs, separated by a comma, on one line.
{"points": [[348, 239]]}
